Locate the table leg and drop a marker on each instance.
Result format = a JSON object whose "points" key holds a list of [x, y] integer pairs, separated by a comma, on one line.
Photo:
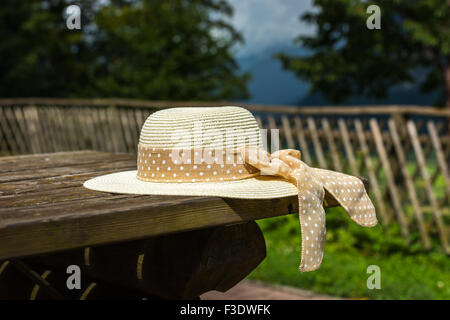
{"points": [[174, 266]]}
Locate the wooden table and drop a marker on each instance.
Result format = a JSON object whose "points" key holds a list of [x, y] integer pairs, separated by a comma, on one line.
{"points": [[45, 209]]}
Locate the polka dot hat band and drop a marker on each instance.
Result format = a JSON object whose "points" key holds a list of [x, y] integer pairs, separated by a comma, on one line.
{"points": [[187, 151], [204, 165]]}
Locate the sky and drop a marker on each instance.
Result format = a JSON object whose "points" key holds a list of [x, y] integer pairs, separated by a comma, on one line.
{"points": [[269, 27], [268, 23]]}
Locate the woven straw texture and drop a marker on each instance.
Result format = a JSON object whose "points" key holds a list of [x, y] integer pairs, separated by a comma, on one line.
{"points": [[222, 127]]}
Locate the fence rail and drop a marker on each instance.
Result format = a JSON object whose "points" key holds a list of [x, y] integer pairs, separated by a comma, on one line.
{"points": [[403, 150]]}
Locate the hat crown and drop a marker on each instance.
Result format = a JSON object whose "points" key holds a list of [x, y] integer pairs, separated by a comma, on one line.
{"points": [[215, 127]]}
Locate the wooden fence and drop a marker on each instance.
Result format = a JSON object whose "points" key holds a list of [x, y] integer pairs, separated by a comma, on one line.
{"points": [[403, 150]]}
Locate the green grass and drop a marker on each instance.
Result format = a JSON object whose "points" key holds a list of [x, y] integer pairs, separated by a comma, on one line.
{"points": [[407, 272]]}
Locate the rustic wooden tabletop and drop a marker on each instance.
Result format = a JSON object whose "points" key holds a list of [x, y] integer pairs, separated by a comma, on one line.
{"points": [[44, 207]]}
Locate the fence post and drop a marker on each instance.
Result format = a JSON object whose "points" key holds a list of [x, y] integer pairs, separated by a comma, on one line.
{"points": [[409, 184], [390, 178], [373, 178], [426, 177]]}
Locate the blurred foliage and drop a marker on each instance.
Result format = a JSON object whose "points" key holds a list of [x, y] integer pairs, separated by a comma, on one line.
{"points": [[407, 271], [413, 45], [148, 49]]}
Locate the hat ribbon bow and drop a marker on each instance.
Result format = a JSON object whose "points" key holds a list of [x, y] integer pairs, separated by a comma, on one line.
{"points": [[312, 184]]}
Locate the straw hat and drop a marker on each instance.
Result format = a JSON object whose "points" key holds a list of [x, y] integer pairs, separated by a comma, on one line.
{"points": [[218, 152], [189, 127]]}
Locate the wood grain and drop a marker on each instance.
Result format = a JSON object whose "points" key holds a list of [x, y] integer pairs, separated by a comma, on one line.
{"points": [[316, 142], [409, 184], [302, 140], [395, 196], [439, 154], [348, 147], [428, 186], [45, 208], [305, 110], [372, 176], [332, 145]]}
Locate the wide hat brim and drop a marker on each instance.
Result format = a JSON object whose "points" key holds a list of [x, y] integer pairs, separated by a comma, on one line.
{"points": [[261, 187]]}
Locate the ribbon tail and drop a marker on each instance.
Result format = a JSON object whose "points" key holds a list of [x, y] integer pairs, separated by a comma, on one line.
{"points": [[350, 193], [312, 218], [313, 239]]}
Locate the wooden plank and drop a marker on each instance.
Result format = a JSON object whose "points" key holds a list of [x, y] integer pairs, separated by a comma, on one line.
{"points": [[16, 130], [271, 122], [348, 147], [51, 133], [115, 130], [142, 115], [409, 184], [47, 125], [428, 152], [378, 165], [316, 143], [28, 187], [134, 128], [127, 219], [79, 143], [304, 110], [35, 277], [302, 140], [54, 127], [236, 249], [58, 213], [98, 136], [79, 128], [86, 124], [4, 149], [287, 132], [274, 134], [43, 128], [4, 146], [67, 193], [54, 172], [260, 124], [18, 115], [78, 131], [60, 117], [28, 181], [395, 197], [429, 210], [103, 118], [32, 120], [53, 160], [428, 187], [333, 149], [372, 176], [139, 120], [275, 140], [95, 130], [13, 147], [87, 119], [439, 154], [126, 129], [69, 129]]}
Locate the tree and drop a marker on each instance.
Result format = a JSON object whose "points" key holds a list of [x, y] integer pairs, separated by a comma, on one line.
{"points": [[148, 49], [39, 55], [349, 59]]}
